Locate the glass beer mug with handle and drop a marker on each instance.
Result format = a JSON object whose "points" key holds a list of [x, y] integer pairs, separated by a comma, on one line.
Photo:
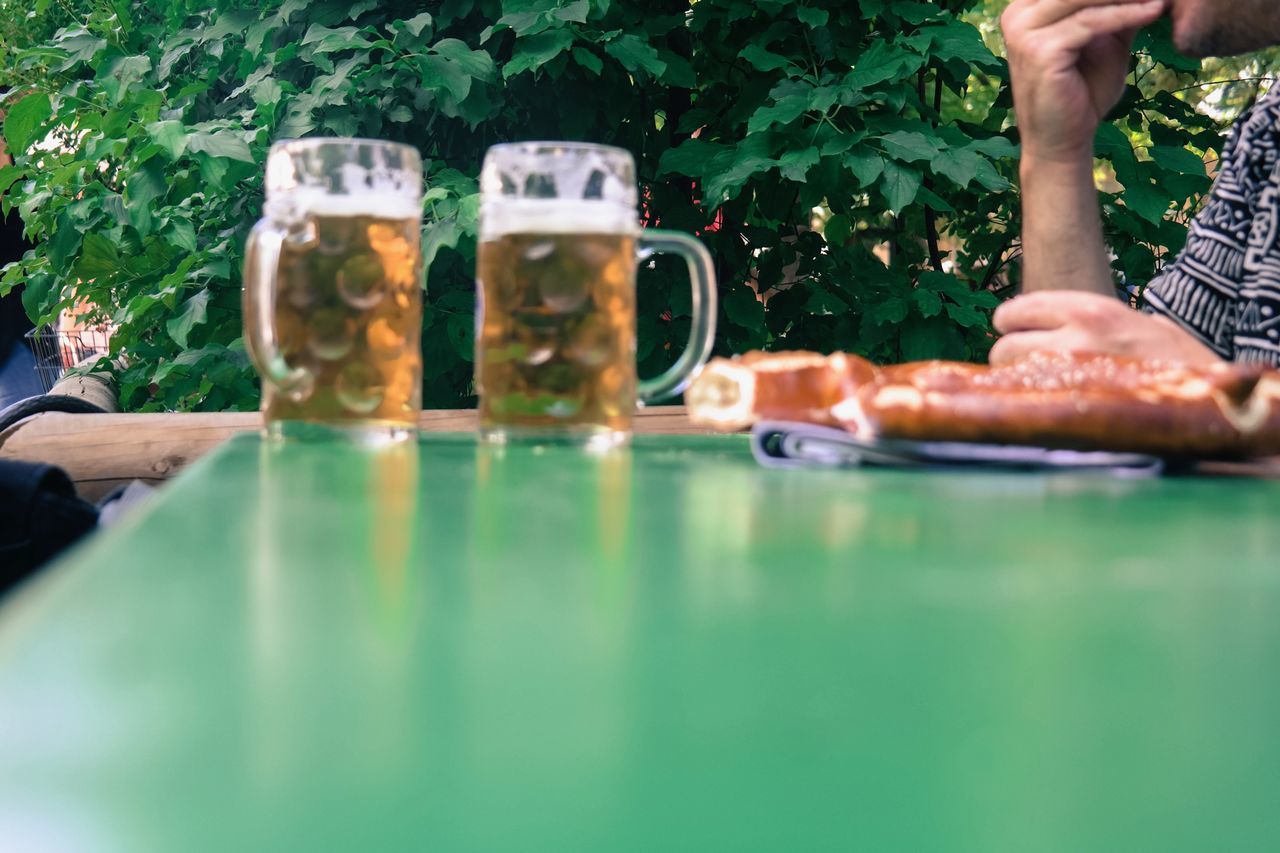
{"points": [[333, 290], [556, 265]]}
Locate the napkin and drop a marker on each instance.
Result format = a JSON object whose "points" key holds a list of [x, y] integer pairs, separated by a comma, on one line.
{"points": [[779, 444]]}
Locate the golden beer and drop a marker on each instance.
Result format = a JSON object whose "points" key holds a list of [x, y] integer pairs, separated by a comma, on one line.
{"points": [[556, 343], [333, 290], [556, 279], [348, 309]]}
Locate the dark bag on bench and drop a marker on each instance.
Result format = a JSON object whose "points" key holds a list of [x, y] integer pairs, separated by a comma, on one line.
{"points": [[40, 516]]}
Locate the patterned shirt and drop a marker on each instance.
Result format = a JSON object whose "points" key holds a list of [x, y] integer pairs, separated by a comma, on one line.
{"points": [[1225, 286]]}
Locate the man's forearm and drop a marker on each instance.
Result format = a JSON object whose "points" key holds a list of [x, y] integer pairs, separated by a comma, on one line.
{"points": [[1062, 246]]}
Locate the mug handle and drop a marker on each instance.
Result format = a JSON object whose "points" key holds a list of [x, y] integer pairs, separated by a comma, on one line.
{"points": [[261, 269], [702, 278]]}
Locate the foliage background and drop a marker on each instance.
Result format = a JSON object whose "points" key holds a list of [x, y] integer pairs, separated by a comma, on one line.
{"points": [[850, 165]]}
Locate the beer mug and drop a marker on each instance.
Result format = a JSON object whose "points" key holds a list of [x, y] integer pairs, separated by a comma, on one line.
{"points": [[556, 277], [333, 290]]}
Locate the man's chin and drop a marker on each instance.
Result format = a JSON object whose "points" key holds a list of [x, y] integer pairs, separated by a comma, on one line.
{"points": [[1197, 35], [1189, 35], [1194, 45]]}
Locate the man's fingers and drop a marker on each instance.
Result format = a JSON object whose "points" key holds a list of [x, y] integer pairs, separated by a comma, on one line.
{"points": [[1088, 24], [1046, 13], [1019, 345], [1081, 27], [1053, 309], [1048, 309]]}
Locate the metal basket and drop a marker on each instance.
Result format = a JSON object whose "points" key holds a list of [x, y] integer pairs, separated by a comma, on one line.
{"points": [[58, 350]]}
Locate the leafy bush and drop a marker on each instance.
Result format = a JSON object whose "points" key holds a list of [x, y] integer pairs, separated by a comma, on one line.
{"points": [[850, 163]]}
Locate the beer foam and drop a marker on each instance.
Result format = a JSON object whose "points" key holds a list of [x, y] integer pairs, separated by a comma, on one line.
{"points": [[306, 202], [502, 216]]}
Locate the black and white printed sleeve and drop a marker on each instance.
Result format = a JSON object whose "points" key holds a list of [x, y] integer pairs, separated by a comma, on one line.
{"points": [[1224, 287]]}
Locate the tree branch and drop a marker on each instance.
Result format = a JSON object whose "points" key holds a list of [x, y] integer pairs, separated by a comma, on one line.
{"points": [[996, 263], [930, 217]]}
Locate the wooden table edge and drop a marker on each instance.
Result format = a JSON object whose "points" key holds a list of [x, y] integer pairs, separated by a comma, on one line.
{"points": [[103, 452]]}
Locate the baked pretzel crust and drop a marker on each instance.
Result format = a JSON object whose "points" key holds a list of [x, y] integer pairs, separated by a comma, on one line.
{"points": [[1056, 400]]}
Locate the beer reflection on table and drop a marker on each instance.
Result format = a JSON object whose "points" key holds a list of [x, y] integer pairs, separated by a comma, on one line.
{"points": [[337, 609]]}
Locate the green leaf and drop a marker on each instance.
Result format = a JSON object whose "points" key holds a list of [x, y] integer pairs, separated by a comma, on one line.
{"points": [[966, 315], [25, 120], [64, 243], [866, 165], [80, 46], [183, 234], [928, 302], [437, 236], [838, 229], [575, 11], [113, 205], [40, 296], [8, 175], [914, 13], [1110, 143], [33, 203], [812, 18], [1146, 199], [453, 67], [195, 312], [169, 135], [533, 52], [1178, 160], [476, 63], [143, 186], [418, 24], [995, 147], [880, 63], [635, 54], [692, 158], [525, 23], [1156, 41], [899, 186], [224, 143], [990, 178], [908, 147], [588, 60], [267, 92], [841, 143], [324, 40], [762, 59], [959, 165], [889, 311], [824, 303], [934, 201], [957, 40], [726, 177], [743, 307], [782, 112], [932, 337], [122, 74], [1185, 187], [98, 256], [462, 335], [948, 284], [795, 165]]}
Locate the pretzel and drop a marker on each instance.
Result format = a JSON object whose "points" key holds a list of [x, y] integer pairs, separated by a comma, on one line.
{"points": [[732, 394], [1057, 400]]}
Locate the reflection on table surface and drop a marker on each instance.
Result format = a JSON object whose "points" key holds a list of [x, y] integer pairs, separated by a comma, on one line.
{"points": [[472, 647]]}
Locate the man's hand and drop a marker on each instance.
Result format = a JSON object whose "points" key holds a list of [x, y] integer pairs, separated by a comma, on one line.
{"points": [[1068, 60], [1068, 321]]}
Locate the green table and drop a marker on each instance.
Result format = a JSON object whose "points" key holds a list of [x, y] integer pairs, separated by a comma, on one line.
{"points": [[442, 647]]}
